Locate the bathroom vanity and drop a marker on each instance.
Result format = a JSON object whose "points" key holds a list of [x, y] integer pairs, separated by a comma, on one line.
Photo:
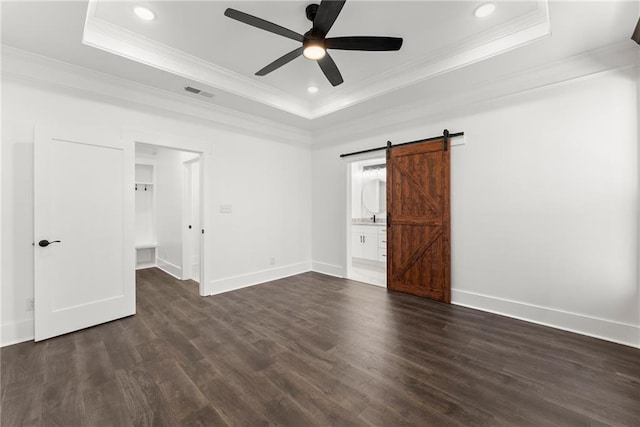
{"points": [[369, 241]]}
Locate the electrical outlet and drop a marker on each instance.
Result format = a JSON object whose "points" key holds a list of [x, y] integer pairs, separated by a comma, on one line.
{"points": [[31, 304], [273, 260]]}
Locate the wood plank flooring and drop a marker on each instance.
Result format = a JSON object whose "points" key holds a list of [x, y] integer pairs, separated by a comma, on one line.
{"points": [[315, 350]]}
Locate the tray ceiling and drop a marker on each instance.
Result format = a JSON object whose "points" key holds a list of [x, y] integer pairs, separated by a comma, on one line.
{"points": [[424, 78], [196, 41]]}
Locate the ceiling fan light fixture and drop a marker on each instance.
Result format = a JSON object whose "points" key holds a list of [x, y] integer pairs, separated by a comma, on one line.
{"points": [[484, 10], [144, 13], [312, 89], [315, 42], [314, 50]]}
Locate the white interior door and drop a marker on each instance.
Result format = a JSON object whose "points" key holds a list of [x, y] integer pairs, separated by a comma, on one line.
{"points": [[193, 237], [84, 198]]}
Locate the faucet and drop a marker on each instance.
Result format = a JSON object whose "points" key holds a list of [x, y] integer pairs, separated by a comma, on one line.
{"points": [[374, 218]]}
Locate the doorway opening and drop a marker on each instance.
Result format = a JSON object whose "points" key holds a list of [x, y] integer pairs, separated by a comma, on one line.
{"points": [[367, 221], [168, 230]]}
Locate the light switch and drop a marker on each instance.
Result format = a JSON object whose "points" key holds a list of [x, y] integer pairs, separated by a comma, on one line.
{"points": [[225, 209]]}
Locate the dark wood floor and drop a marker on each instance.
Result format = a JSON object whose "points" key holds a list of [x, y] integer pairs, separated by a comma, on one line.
{"points": [[315, 350]]}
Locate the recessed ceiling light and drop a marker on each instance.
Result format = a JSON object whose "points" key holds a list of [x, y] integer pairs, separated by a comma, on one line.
{"points": [[484, 10], [144, 13], [312, 89]]}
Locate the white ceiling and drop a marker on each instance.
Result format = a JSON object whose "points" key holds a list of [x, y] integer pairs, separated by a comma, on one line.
{"points": [[446, 49]]}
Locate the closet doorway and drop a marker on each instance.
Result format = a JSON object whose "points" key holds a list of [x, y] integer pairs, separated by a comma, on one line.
{"points": [[168, 199]]}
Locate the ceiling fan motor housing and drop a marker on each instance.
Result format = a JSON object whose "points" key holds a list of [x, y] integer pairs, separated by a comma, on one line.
{"points": [[311, 11], [315, 42], [311, 39]]}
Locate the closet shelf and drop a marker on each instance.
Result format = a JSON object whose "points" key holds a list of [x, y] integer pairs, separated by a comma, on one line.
{"points": [[143, 183]]}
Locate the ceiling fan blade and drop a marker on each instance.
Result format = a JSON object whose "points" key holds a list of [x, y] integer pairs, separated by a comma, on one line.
{"points": [[285, 59], [330, 70], [636, 34], [369, 43], [262, 24], [326, 15]]}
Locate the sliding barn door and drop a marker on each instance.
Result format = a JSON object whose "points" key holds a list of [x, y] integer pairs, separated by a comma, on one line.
{"points": [[419, 249], [83, 251]]}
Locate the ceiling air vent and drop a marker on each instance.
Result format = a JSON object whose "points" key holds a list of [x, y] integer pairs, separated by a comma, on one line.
{"points": [[197, 91]]}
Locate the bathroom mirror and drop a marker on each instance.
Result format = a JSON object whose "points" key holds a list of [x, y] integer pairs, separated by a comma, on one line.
{"points": [[374, 196]]}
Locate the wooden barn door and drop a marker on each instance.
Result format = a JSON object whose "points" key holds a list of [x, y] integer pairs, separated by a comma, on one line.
{"points": [[418, 236]]}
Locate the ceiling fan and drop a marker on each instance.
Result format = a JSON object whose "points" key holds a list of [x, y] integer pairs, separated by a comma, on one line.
{"points": [[315, 42]]}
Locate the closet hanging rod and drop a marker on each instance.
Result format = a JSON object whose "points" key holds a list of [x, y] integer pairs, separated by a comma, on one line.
{"points": [[433, 138]]}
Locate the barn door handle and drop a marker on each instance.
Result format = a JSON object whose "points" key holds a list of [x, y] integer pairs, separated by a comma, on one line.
{"points": [[45, 243]]}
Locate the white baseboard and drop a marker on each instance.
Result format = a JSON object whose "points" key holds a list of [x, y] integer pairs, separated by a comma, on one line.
{"points": [[16, 332], [145, 266], [169, 268], [226, 284], [609, 330], [328, 269]]}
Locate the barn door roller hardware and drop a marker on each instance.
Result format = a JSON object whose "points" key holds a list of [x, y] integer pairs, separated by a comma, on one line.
{"points": [[446, 136]]}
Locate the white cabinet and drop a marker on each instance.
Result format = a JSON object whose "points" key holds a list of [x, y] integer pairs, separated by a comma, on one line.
{"points": [[370, 244], [382, 244], [364, 242], [357, 251]]}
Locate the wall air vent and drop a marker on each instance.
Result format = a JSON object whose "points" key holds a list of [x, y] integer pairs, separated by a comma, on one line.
{"points": [[197, 91]]}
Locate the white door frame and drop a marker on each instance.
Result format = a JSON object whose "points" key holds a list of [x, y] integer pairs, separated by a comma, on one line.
{"points": [[187, 207], [349, 222], [131, 136]]}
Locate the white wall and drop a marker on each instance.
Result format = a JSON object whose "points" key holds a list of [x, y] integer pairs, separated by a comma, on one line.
{"points": [[17, 228], [356, 190], [358, 180], [544, 205], [267, 182], [544, 200], [145, 220]]}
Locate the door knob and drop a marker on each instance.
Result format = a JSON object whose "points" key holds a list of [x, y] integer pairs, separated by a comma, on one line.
{"points": [[45, 243]]}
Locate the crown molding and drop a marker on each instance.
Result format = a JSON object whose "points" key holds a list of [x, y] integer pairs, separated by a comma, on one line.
{"points": [[616, 56], [114, 39], [22, 66], [518, 32], [515, 33]]}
